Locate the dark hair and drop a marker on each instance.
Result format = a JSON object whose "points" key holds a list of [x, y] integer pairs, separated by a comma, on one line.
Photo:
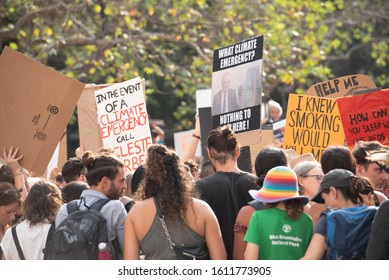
{"points": [[42, 203], [337, 157], [362, 148], [293, 208], [9, 194], [72, 169], [167, 179], [266, 159], [137, 178], [6, 175], [222, 144], [207, 169], [73, 191], [357, 187], [99, 166]]}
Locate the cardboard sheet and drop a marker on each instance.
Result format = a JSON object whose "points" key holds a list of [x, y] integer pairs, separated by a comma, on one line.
{"points": [[36, 105]]}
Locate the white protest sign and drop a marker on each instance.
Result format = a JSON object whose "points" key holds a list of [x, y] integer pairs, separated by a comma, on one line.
{"points": [[182, 140], [124, 123]]}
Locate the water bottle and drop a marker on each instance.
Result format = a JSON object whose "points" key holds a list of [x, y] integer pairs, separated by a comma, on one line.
{"points": [[104, 252]]}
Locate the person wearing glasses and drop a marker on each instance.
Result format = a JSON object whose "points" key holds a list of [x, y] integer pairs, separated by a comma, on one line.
{"points": [[309, 174]]}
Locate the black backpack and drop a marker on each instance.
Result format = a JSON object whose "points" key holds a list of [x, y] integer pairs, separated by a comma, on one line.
{"points": [[78, 236]]}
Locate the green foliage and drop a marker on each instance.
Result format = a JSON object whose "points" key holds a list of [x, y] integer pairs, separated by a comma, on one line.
{"points": [[170, 43]]}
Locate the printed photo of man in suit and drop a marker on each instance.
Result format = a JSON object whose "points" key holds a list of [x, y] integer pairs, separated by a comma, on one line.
{"points": [[225, 100]]}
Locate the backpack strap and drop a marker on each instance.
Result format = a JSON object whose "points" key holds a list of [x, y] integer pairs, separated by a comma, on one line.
{"points": [[17, 244], [72, 206], [99, 204], [49, 236]]}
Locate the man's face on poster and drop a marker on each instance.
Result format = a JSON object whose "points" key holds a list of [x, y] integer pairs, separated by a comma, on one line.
{"points": [[226, 81]]}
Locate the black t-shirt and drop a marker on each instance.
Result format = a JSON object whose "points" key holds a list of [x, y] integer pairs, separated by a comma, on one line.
{"points": [[226, 193]]}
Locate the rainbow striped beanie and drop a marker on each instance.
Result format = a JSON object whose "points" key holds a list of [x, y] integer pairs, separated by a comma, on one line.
{"points": [[280, 184]]}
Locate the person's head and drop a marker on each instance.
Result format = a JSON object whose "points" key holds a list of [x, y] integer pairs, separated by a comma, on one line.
{"points": [[193, 168], [10, 200], [280, 187], [167, 178], [223, 145], [368, 168], [266, 159], [6, 175], [73, 170], [309, 174], [137, 178], [42, 203], [105, 173], [226, 81], [207, 169], [337, 157], [73, 191], [275, 110], [340, 186], [60, 181]]}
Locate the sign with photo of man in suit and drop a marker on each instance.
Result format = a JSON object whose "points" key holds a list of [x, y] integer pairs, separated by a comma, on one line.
{"points": [[237, 85]]}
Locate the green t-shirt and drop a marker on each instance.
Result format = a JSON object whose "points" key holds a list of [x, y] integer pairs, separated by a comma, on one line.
{"points": [[278, 236]]}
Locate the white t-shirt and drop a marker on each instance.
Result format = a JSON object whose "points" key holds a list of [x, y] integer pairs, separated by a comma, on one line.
{"points": [[32, 240]]}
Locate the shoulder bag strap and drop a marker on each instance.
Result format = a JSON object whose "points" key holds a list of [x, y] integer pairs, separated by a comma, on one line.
{"points": [[161, 218], [17, 244]]}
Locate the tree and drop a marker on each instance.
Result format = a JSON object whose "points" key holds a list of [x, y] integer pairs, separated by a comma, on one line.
{"points": [[171, 43]]}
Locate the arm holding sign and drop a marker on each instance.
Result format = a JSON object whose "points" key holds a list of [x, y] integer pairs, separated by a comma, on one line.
{"points": [[12, 161], [190, 151]]}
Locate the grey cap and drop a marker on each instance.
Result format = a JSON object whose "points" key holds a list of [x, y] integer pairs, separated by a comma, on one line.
{"points": [[338, 178]]}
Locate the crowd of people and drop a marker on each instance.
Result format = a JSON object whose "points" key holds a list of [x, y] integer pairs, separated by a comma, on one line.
{"points": [[288, 207]]}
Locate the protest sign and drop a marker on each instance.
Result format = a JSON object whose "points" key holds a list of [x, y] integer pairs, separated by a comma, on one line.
{"points": [[181, 141], [36, 105], [237, 85], [124, 123], [256, 141], [342, 86], [365, 117], [312, 124], [88, 126]]}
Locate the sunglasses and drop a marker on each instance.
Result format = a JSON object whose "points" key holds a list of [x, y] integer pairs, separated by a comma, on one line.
{"points": [[318, 177]]}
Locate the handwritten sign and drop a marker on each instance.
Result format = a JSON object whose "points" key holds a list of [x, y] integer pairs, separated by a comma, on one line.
{"points": [[312, 124], [365, 117], [342, 86], [237, 85], [124, 123]]}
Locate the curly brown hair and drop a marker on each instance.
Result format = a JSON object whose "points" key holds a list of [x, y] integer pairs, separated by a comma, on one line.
{"points": [[42, 203], [167, 178]]}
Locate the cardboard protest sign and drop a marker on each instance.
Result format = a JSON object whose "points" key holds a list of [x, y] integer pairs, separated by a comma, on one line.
{"points": [[123, 120], [312, 124], [365, 117], [342, 86], [256, 141], [88, 126], [237, 85], [36, 105]]}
